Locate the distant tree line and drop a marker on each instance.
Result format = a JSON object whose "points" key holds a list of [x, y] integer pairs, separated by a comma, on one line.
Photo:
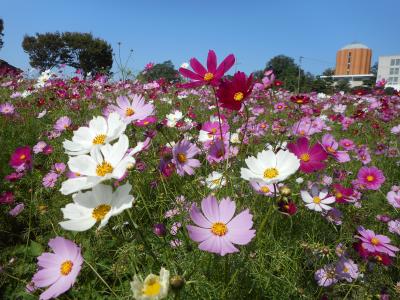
{"points": [[1, 33]]}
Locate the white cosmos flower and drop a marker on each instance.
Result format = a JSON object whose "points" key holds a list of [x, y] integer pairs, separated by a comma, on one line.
{"points": [[97, 205], [173, 118], [99, 132], [103, 163], [317, 200], [235, 138], [269, 167], [152, 288], [215, 180]]}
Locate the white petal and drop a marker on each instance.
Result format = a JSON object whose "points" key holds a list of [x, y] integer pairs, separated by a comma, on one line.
{"points": [[82, 164], [78, 224], [306, 197]]}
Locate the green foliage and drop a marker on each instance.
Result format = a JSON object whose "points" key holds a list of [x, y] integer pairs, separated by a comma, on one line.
{"points": [[165, 70], [1, 33], [287, 70], [342, 85], [77, 50]]}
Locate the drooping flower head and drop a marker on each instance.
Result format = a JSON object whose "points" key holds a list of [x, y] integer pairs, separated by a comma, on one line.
{"points": [[135, 110], [342, 194], [331, 147], [212, 75], [232, 93], [311, 157], [270, 167], [216, 229], [183, 153], [97, 205], [59, 269], [62, 124], [154, 287], [370, 178]]}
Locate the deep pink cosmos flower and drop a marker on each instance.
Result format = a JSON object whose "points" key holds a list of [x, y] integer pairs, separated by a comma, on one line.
{"points": [[183, 153], [311, 157], [212, 75], [7, 198], [21, 159], [331, 147], [376, 243], [59, 269], [343, 194], [370, 178], [217, 230]]}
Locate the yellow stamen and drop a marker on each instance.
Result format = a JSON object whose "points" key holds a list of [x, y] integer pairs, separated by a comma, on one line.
{"points": [[216, 181], [238, 96], [99, 139], [375, 241], [370, 178], [305, 157], [265, 189], [104, 168], [100, 211], [271, 173], [330, 149], [339, 195], [129, 112], [152, 287], [316, 200], [208, 76], [22, 157], [66, 267], [219, 229], [181, 158]]}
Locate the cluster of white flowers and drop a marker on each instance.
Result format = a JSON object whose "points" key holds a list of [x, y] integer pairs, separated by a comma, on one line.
{"points": [[93, 160]]}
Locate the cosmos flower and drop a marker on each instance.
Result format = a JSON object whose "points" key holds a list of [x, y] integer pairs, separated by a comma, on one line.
{"points": [[311, 157], [21, 159], [232, 93], [376, 243], [174, 118], [135, 110], [202, 76], [347, 269], [326, 276], [394, 226], [300, 99], [183, 153], [99, 132], [152, 288], [317, 200], [7, 108], [50, 179], [270, 167], [263, 188], [7, 198], [97, 205], [342, 194], [39, 147], [393, 198], [331, 147], [62, 124], [215, 180], [216, 229], [102, 164], [370, 177], [58, 270]]}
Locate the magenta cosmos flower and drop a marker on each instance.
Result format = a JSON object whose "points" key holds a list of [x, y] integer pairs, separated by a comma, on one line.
{"points": [[375, 242], [212, 75], [135, 110], [311, 157], [21, 158], [183, 153], [59, 269], [216, 229], [371, 178]]}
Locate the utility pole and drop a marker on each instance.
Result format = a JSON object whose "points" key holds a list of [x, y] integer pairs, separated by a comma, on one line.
{"points": [[298, 77]]}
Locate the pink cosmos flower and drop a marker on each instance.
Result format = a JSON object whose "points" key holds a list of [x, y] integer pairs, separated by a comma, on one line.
{"points": [[133, 108], [39, 147], [62, 124], [376, 243], [21, 159], [59, 168], [50, 179], [370, 178], [146, 121], [393, 198], [17, 209], [183, 153], [331, 147], [347, 144], [311, 158], [7, 108], [59, 269], [7, 198], [217, 230], [212, 75]]}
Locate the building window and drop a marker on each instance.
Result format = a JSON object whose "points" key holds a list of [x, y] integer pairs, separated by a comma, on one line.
{"points": [[348, 58], [398, 62], [395, 80], [392, 62], [391, 72], [396, 71], [390, 79]]}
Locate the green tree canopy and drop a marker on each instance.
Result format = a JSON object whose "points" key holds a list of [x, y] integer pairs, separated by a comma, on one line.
{"points": [[165, 70], [77, 50], [287, 70], [1, 33]]}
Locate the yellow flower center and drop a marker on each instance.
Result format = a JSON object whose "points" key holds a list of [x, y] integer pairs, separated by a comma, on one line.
{"points": [[22, 157], [152, 287], [330, 149], [219, 229], [104, 168], [316, 200], [99, 139], [216, 181], [339, 195], [208, 76], [66, 267], [271, 173], [100, 211], [374, 241], [305, 157], [214, 130], [299, 101], [238, 96], [346, 270], [370, 178], [263, 126], [77, 174], [265, 189], [181, 158], [129, 112]]}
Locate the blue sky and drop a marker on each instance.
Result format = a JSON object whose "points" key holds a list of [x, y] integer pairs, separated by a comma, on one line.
{"points": [[254, 31]]}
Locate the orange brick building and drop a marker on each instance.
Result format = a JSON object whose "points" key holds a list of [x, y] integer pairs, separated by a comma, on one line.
{"points": [[353, 59]]}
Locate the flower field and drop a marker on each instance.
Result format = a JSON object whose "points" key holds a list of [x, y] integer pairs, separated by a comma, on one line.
{"points": [[217, 187]]}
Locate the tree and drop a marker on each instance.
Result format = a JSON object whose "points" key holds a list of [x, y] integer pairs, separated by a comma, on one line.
{"points": [[287, 70], [77, 50], [371, 81], [343, 85], [166, 70], [1, 33]]}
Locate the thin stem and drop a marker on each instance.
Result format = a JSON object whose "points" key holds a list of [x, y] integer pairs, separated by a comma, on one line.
{"points": [[245, 127], [101, 278], [219, 119]]}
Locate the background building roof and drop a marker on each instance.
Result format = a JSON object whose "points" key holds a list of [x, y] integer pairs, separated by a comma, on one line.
{"points": [[354, 46]]}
